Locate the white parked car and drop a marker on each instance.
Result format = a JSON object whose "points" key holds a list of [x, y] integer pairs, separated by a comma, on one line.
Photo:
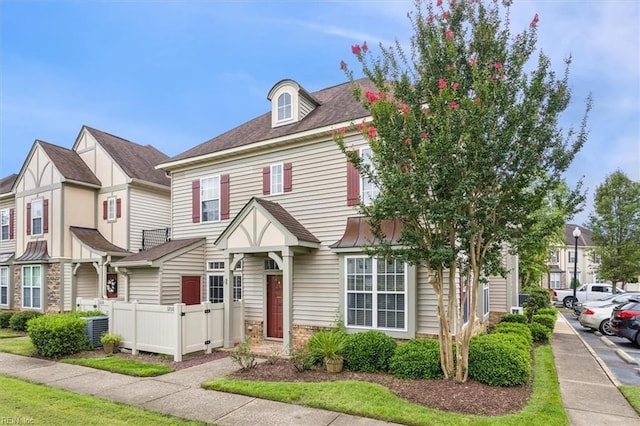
{"points": [[597, 318], [614, 299]]}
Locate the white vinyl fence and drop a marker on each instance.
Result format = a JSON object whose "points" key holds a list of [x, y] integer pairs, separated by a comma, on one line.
{"points": [[176, 329]]}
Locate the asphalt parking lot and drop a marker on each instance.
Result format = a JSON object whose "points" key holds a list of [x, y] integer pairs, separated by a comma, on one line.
{"points": [[619, 355]]}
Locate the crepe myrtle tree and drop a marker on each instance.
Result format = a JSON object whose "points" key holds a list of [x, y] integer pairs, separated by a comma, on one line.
{"points": [[466, 143]]}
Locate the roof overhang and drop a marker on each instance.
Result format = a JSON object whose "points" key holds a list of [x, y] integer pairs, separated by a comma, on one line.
{"points": [[6, 257], [358, 235], [36, 251], [157, 255]]}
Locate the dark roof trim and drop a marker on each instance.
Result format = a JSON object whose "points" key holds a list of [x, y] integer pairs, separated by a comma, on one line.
{"points": [[93, 239], [357, 233], [36, 251], [156, 255]]}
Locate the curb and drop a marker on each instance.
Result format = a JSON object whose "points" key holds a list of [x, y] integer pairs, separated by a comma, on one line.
{"points": [[621, 353]]}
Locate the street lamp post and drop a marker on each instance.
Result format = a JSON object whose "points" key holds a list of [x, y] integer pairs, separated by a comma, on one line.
{"points": [[576, 235]]}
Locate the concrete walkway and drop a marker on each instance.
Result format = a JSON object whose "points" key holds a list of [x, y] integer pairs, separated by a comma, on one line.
{"points": [[588, 389]]}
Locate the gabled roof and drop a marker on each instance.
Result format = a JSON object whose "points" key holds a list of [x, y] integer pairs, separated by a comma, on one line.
{"points": [[6, 183], [289, 222], [155, 254], [93, 238], [137, 161], [69, 163], [584, 240], [337, 105]]}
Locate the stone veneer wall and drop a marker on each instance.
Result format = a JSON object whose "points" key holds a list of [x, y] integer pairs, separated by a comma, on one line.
{"points": [[49, 292], [253, 330], [17, 286]]}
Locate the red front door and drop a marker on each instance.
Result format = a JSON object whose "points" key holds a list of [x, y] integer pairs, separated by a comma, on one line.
{"points": [[191, 290], [274, 306]]}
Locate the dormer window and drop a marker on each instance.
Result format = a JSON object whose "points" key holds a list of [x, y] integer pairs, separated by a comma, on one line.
{"points": [[284, 107]]}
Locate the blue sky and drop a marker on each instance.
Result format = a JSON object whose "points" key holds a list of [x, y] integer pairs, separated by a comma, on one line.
{"points": [[176, 73]]}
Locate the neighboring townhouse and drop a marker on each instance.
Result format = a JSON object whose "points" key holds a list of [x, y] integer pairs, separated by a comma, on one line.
{"points": [[7, 240], [267, 213], [76, 211], [563, 260]]}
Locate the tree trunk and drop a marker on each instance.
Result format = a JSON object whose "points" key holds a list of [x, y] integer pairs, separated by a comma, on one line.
{"points": [[444, 333]]}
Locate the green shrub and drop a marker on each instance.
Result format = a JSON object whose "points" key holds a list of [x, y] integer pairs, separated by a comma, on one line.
{"points": [[516, 340], [548, 311], [417, 359], [19, 320], [540, 333], [5, 317], [90, 314], [515, 328], [539, 298], [497, 362], [517, 318], [548, 321], [59, 334], [368, 351]]}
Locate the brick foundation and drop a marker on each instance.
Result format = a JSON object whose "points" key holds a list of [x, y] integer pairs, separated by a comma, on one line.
{"points": [[253, 330]]}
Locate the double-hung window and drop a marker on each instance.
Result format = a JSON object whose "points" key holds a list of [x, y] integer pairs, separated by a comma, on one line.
{"points": [[4, 285], [277, 181], [572, 257], [369, 191], [376, 293], [554, 280], [111, 208], [215, 283], [210, 199], [284, 107], [553, 259], [31, 286], [5, 231], [36, 217]]}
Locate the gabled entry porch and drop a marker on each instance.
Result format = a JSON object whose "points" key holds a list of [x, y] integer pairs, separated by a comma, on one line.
{"points": [[265, 229]]}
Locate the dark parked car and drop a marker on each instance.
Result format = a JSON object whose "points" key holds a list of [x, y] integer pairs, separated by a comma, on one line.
{"points": [[625, 320]]}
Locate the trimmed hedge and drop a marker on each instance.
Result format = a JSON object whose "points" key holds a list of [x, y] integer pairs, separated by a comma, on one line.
{"points": [[548, 311], [90, 314], [496, 361], [58, 334], [417, 359], [540, 333], [548, 321], [5, 317], [518, 318], [18, 321], [515, 328], [368, 351]]}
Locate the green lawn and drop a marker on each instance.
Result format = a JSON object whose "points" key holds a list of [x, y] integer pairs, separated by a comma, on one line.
{"points": [[130, 367], [8, 334], [18, 346], [29, 403], [632, 393], [375, 401]]}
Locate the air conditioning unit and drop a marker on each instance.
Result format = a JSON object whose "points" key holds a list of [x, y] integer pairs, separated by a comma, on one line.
{"points": [[95, 328], [517, 310]]}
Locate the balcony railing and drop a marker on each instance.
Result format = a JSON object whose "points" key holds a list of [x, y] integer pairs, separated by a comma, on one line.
{"points": [[154, 237]]}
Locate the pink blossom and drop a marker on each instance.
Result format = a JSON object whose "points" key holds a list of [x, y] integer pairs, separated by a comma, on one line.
{"points": [[405, 109], [360, 126], [497, 66], [454, 105], [430, 19], [453, 4], [454, 86], [405, 168], [365, 47], [473, 61], [407, 141], [355, 49], [476, 100], [448, 33], [342, 130], [371, 97], [439, 3], [425, 135], [534, 22], [373, 133], [442, 83], [501, 76], [445, 15], [343, 65]]}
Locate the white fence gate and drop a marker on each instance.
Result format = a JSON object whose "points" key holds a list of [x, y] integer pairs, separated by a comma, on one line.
{"points": [[176, 329]]}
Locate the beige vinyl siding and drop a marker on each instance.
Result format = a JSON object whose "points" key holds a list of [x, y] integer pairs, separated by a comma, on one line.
{"points": [[78, 210], [253, 286], [190, 263], [427, 304], [148, 210], [498, 294], [115, 231], [144, 285], [8, 246], [87, 281], [317, 201], [68, 301], [306, 106]]}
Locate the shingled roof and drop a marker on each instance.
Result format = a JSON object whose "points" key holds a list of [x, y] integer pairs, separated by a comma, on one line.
{"points": [[93, 238], [584, 240], [337, 105], [161, 250], [6, 183], [69, 163], [137, 161], [284, 217]]}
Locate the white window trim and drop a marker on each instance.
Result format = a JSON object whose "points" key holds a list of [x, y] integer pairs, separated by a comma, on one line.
{"points": [[5, 213], [372, 193], [374, 299], [272, 181], [203, 199], [555, 284], [277, 107], [486, 299], [4, 284], [218, 271], [112, 206], [31, 287], [554, 258], [34, 217]]}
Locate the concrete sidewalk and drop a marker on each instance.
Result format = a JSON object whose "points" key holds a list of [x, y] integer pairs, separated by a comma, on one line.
{"points": [[589, 390], [177, 394]]}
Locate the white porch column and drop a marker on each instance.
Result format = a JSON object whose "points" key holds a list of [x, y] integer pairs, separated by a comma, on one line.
{"points": [[228, 300], [287, 299]]}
